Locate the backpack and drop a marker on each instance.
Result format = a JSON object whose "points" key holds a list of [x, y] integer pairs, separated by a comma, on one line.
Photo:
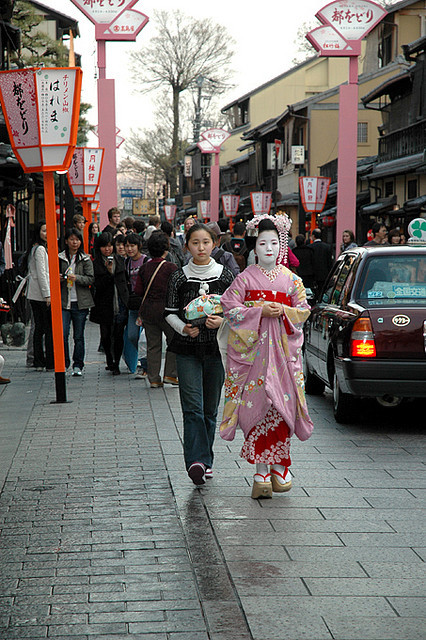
{"points": [[240, 256]]}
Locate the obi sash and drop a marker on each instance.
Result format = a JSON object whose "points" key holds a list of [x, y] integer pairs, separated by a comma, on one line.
{"points": [[254, 295]]}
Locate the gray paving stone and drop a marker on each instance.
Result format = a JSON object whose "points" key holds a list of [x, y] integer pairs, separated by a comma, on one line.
{"points": [[376, 628]]}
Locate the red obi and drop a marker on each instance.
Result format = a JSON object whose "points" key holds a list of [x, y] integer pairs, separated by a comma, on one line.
{"points": [[268, 296], [254, 295]]}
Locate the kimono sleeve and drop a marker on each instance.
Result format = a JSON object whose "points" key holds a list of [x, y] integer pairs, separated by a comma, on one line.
{"points": [[299, 312], [244, 322]]}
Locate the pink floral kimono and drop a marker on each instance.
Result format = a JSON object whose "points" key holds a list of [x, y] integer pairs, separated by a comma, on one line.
{"points": [[264, 385]]}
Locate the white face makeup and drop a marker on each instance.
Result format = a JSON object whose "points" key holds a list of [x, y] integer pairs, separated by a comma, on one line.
{"points": [[267, 249]]}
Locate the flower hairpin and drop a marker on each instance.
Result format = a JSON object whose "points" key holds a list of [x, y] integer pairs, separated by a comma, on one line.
{"points": [[282, 224]]}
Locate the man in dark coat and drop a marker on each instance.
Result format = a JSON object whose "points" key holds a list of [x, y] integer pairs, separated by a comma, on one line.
{"points": [[323, 260]]}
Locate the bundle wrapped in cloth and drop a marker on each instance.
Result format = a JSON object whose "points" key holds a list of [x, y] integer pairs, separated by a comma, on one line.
{"points": [[197, 310]]}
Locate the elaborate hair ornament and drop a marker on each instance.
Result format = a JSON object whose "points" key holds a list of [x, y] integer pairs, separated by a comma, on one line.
{"points": [[282, 224]]}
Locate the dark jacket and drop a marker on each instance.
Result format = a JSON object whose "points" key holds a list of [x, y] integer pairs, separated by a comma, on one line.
{"points": [[305, 270], [104, 288], [323, 260]]}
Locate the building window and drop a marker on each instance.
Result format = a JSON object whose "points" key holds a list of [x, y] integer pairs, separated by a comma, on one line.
{"points": [[411, 189], [388, 189], [362, 132]]}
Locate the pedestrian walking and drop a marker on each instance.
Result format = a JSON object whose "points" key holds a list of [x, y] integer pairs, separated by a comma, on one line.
{"points": [[38, 293], [380, 234], [264, 392], [135, 259], [323, 260], [304, 253], [199, 364], [94, 231], [111, 298], [114, 217], [151, 287], [219, 253], [77, 278]]}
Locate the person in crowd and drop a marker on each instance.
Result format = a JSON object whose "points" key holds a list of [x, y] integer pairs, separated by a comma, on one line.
{"points": [[76, 269], [139, 227], [78, 222], [323, 259], [175, 253], [38, 293], [94, 231], [2, 379], [114, 217], [305, 255], [237, 245], [151, 286], [188, 222], [394, 236], [135, 259], [129, 222], [199, 363], [380, 234], [111, 298], [225, 234], [264, 392], [219, 254], [348, 240], [119, 242]]}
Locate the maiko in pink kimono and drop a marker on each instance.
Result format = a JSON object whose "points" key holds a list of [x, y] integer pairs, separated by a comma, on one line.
{"points": [[264, 387]]}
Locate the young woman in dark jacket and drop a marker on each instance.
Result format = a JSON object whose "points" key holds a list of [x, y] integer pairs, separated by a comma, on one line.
{"points": [[111, 298]]}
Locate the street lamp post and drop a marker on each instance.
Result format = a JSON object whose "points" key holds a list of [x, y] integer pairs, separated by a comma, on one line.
{"points": [[41, 109]]}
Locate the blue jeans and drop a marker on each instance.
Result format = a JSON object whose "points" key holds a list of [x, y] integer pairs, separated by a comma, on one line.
{"points": [[131, 338], [200, 386], [78, 318]]}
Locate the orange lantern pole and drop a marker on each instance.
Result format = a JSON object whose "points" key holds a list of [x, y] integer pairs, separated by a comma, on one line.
{"points": [[41, 109], [84, 176]]}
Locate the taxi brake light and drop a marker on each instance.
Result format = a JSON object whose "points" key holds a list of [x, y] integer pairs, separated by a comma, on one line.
{"points": [[362, 339]]}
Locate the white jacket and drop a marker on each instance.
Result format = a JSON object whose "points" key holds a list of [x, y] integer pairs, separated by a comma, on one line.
{"points": [[38, 274]]}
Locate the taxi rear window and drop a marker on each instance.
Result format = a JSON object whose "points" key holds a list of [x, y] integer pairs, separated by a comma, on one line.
{"points": [[395, 280]]}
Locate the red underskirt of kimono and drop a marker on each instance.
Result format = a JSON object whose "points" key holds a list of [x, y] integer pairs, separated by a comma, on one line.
{"points": [[268, 441], [266, 295]]}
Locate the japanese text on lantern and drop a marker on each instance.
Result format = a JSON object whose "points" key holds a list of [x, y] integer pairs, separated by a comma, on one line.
{"points": [[18, 93], [101, 3], [54, 90]]}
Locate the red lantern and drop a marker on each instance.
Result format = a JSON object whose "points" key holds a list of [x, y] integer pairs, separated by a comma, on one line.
{"points": [[307, 225], [328, 221], [370, 235]]}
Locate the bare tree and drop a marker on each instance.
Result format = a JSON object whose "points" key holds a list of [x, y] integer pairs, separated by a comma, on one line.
{"points": [[183, 50]]}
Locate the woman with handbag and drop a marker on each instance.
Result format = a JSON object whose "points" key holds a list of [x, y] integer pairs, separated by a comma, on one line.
{"points": [[151, 285], [199, 363], [135, 259]]}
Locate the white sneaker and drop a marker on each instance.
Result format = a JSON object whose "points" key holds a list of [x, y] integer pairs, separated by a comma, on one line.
{"points": [[141, 374], [76, 371]]}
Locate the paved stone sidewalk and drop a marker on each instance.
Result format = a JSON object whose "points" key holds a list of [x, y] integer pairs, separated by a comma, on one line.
{"points": [[103, 536]]}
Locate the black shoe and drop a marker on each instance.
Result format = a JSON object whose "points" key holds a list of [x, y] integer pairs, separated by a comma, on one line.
{"points": [[116, 372], [197, 473], [101, 349]]}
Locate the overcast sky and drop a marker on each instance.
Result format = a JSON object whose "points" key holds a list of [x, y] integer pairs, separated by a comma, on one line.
{"points": [[264, 36]]}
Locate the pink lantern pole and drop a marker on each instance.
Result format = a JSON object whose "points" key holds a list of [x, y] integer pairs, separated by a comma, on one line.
{"points": [[344, 24], [84, 176], [113, 20], [212, 140], [41, 108]]}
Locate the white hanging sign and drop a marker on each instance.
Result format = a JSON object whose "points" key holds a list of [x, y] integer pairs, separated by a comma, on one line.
{"points": [[230, 205], [261, 202], [170, 211]]}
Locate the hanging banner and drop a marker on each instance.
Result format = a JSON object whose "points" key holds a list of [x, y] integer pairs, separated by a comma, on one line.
{"points": [[187, 167], [170, 211], [313, 193], [204, 208], [261, 202], [230, 205]]}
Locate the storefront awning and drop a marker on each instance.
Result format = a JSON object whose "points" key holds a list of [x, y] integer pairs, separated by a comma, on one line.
{"points": [[406, 164]]}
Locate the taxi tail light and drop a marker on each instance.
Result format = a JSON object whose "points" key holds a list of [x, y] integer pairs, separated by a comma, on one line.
{"points": [[362, 339]]}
